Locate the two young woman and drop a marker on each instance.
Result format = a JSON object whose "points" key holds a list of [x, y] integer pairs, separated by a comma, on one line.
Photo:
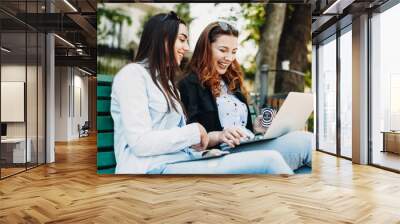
{"points": [[151, 134]]}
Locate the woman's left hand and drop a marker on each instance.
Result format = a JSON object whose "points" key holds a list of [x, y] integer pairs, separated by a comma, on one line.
{"points": [[204, 139], [257, 126]]}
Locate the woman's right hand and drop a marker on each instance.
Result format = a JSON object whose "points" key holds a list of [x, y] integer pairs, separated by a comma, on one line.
{"points": [[257, 125], [203, 139], [231, 136]]}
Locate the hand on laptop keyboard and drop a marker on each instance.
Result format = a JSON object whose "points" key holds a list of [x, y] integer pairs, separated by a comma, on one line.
{"points": [[232, 136], [249, 134], [246, 135]]}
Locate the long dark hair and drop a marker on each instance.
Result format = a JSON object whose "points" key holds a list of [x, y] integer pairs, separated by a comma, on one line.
{"points": [[202, 56], [157, 47]]}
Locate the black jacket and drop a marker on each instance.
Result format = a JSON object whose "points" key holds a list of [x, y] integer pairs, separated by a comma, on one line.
{"points": [[200, 105]]}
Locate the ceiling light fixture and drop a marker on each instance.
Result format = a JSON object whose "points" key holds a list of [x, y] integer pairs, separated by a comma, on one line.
{"points": [[70, 5], [79, 51], [337, 7], [64, 40], [5, 49], [86, 72]]}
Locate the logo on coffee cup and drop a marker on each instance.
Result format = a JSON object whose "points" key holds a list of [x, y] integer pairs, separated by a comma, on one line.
{"points": [[268, 115]]}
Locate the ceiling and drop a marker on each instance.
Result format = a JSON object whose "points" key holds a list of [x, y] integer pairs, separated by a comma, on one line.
{"points": [[74, 22]]}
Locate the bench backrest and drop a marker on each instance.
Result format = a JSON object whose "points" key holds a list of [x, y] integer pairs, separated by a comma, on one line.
{"points": [[105, 126]]}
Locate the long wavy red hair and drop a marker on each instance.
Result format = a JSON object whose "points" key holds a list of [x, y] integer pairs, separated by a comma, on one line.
{"points": [[202, 56]]}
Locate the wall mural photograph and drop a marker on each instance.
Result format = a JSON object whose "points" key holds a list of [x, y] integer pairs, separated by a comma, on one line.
{"points": [[184, 90]]}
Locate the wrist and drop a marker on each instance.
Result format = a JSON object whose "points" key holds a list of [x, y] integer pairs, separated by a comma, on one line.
{"points": [[219, 137], [194, 132], [260, 131], [214, 137]]}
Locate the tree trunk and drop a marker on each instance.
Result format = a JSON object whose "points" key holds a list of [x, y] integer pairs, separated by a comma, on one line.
{"points": [[269, 42], [293, 47]]}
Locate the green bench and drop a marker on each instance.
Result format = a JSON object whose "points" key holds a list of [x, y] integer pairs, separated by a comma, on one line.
{"points": [[105, 126]]}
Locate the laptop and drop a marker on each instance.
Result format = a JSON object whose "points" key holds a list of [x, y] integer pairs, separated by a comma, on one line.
{"points": [[292, 116]]}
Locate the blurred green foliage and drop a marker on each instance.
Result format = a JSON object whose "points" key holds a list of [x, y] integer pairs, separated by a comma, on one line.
{"points": [[107, 64], [254, 15], [116, 17], [250, 71], [310, 123], [308, 79], [183, 11]]}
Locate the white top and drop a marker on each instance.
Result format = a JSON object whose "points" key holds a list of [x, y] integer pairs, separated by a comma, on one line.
{"points": [[231, 111], [146, 137]]}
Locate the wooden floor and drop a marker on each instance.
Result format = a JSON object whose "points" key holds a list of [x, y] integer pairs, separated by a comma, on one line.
{"points": [[70, 191], [10, 171]]}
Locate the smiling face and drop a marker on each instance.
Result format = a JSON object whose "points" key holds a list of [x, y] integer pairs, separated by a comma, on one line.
{"points": [[224, 50], [181, 43]]}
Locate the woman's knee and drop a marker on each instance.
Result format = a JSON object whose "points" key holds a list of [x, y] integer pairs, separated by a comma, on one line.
{"points": [[270, 155], [301, 140], [274, 162], [305, 145]]}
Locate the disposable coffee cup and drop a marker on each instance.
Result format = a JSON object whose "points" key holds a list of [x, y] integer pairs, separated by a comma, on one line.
{"points": [[268, 115]]}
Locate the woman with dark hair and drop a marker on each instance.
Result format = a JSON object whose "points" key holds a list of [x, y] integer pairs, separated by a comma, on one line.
{"points": [[214, 96], [151, 135]]}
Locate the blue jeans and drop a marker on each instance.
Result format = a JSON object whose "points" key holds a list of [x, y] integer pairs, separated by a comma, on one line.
{"points": [[295, 147], [259, 157], [246, 162]]}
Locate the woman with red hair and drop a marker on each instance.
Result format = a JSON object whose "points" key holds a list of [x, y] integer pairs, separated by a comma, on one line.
{"points": [[213, 95]]}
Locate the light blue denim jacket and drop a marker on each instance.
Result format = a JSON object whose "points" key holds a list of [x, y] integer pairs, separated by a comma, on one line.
{"points": [[146, 135]]}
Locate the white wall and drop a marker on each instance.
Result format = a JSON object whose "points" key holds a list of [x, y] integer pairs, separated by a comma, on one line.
{"points": [[80, 102], [71, 94], [61, 103], [12, 100], [12, 73], [33, 127]]}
